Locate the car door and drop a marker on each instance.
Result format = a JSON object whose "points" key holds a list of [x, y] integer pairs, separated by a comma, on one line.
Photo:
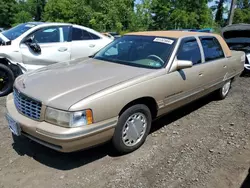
{"points": [[84, 43], [215, 67], [54, 45], [186, 84]]}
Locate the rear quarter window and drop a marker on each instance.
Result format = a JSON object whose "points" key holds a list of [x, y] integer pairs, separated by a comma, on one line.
{"points": [[212, 49], [94, 37], [80, 34]]}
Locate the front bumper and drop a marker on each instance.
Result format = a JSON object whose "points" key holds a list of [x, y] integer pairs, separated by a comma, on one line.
{"points": [[60, 138]]}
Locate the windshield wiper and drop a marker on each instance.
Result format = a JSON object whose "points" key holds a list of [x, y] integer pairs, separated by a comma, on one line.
{"points": [[114, 60]]}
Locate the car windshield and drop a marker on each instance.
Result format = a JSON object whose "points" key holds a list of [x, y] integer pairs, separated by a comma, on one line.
{"points": [[15, 32], [140, 51]]}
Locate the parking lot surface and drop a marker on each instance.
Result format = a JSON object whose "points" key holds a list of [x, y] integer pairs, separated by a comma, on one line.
{"points": [[205, 144]]}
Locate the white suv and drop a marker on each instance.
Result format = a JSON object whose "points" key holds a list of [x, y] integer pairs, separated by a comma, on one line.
{"points": [[33, 45]]}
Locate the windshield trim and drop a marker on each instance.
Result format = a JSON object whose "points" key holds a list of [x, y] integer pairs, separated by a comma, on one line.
{"points": [[127, 63]]}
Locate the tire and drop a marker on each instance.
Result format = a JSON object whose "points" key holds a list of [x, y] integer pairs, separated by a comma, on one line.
{"points": [[16, 139], [7, 79], [141, 115], [223, 92], [245, 73]]}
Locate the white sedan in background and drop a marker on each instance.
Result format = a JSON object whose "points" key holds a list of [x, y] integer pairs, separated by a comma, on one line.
{"points": [[33, 45]]}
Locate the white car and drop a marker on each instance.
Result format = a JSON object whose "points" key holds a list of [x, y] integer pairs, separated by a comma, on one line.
{"points": [[33, 45]]}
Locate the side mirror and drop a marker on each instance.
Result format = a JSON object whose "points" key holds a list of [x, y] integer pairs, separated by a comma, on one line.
{"points": [[35, 47], [181, 64], [28, 40], [32, 44]]}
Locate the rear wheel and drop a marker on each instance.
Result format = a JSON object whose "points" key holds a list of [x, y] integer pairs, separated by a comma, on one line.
{"points": [[132, 129], [223, 92], [6, 80]]}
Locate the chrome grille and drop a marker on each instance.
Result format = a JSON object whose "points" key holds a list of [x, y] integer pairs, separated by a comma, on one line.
{"points": [[27, 106]]}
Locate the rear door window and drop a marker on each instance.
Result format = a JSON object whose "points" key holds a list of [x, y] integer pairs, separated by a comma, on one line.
{"points": [[212, 48], [189, 51]]}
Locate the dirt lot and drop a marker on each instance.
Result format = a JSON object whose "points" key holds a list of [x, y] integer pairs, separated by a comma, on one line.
{"points": [[205, 144]]}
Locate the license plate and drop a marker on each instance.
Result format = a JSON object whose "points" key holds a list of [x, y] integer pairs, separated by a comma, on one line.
{"points": [[13, 126]]}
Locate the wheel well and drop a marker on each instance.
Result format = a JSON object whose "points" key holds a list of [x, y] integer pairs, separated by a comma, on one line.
{"points": [[15, 69], [4, 61], [148, 101]]}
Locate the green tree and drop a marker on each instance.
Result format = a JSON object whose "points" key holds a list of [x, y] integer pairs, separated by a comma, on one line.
{"points": [[99, 14], [220, 10], [36, 8], [59, 11], [161, 10], [241, 16], [168, 14], [242, 12], [243, 4], [22, 17], [8, 10], [142, 16]]}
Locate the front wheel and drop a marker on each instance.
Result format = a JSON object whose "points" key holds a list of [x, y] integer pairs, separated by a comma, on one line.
{"points": [[223, 92], [132, 129], [6, 80]]}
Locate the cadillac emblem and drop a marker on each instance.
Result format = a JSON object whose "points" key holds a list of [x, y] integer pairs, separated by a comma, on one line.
{"points": [[23, 84]]}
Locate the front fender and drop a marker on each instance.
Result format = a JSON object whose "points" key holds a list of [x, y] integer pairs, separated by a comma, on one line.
{"points": [[108, 104], [14, 66], [11, 53]]}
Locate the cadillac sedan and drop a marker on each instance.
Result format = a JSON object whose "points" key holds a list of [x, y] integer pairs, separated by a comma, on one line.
{"points": [[115, 94]]}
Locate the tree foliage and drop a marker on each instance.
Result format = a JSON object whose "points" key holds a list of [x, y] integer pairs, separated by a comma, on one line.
{"points": [[7, 12], [220, 10], [181, 14], [98, 14], [22, 17], [123, 15], [142, 17], [36, 8], [242, 12]]}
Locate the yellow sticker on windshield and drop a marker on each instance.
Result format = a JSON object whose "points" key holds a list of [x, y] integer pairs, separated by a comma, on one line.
{"points": [[164, 40]]}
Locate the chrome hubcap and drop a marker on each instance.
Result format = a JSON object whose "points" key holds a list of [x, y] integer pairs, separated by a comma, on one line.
{"points": [[134, 129], [225, 88]]}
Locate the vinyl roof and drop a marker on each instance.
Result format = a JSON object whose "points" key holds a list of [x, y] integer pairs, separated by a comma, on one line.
{"points": [[171, 34], [179, 34]]}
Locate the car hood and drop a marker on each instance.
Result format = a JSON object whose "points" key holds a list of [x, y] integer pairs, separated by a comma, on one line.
{"points": [[237, 37], [64, 84]]}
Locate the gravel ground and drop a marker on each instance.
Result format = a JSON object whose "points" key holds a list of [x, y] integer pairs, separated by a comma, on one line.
{"points": [[203, 145]]}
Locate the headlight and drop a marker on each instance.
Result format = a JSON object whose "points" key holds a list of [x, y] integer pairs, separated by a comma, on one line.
{"points": [[68, 119]]}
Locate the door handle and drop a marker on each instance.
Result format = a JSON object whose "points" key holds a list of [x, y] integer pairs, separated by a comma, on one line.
{"points": [[92, 45], [62, 49], [200, 74], [224, 66]]}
